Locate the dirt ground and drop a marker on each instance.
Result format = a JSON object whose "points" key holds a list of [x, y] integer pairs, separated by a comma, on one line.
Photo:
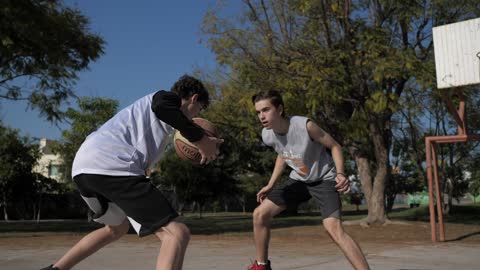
{"points": [[394, 246]]}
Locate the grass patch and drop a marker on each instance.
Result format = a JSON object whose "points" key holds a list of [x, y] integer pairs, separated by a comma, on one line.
{"points": [[48, 226], [221, 223], [464, 214], [239, 222]]}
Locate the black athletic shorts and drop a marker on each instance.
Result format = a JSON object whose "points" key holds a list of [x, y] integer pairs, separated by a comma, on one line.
{"points": [[114, 198], [294, 192]]}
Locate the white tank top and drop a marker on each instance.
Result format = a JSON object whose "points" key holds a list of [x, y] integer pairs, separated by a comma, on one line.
{"points": [[127, 144], [308, 159]]}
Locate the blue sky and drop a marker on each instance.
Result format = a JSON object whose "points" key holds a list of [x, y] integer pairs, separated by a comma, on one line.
{"points": [[149, 45]]}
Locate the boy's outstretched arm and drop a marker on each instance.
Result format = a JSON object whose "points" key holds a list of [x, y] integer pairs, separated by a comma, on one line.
{"points": [[322, 137], [276, 174]]}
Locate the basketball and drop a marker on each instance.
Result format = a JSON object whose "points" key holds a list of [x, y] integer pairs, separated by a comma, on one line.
{"points": [[187, 150]]}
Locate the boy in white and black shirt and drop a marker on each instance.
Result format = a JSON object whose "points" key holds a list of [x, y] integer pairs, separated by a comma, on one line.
{"points": [[109, 170]]}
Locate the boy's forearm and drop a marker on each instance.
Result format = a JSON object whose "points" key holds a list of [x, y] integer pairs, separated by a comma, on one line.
{"points": [[166, 106], [338, 158], [277, 171]]}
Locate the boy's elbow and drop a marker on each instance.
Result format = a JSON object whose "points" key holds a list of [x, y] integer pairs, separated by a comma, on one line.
{"points": [[336, 147]]}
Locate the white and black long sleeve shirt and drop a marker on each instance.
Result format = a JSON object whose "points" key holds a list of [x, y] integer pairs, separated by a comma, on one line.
{"points": [[135, 138]]}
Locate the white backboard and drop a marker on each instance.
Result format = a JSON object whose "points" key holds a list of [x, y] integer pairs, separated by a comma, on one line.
{"points": [[457, 53]]}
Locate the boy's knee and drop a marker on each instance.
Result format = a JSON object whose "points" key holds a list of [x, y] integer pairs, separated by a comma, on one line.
{"points": [[183, 232], [334, 228], [116, 232], [260, 217], [175, 231]]}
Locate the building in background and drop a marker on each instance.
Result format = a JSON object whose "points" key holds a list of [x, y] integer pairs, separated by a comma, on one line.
{"points": [[49, 164]]}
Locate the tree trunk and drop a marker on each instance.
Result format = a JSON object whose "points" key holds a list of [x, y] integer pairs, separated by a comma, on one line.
{"points": [[374, 184], [194, 207], [200, 210], [373, 190], [180, 208], [365, 175], [38, 215], [241, 200], [34, 209], [38, 207], [376, 210], [5, 214], [225, 205], [390, 202], [447, 197]]}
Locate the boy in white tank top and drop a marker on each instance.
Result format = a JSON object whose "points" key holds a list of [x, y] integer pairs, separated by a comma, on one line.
{"points": [[301, 144], [109, 171]]}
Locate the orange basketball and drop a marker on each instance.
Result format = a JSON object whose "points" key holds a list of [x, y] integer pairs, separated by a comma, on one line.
{"points": [[187, 150]]}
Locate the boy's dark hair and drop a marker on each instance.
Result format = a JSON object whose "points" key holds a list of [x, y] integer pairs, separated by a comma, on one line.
{"points": [[274, 96], [186, 86]]}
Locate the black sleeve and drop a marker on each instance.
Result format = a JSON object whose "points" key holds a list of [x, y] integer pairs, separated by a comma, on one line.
{"points": [[166, 106]]}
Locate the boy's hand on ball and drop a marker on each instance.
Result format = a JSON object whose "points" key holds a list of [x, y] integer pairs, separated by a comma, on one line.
{"points": [[202, 151], [208, 148]]}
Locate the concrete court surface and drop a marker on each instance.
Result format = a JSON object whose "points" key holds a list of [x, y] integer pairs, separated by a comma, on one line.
{"points": [[302, 248]]}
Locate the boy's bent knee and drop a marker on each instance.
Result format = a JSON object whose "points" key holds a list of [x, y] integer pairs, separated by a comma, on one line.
{"points": [[182, 232], [176, 231], [334, 228], [260, 216], [118, 231]]}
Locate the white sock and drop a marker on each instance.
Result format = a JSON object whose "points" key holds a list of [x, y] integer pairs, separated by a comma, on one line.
{"points": [[261, 263]]}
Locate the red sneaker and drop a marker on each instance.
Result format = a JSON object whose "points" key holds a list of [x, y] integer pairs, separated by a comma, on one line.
{"points": [[255, 266]]}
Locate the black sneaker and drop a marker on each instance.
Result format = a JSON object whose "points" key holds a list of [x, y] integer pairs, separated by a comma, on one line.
{"points": [[50, 268]]}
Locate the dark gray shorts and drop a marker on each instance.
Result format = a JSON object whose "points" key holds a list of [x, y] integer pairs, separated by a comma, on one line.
{"points": [[294, 192], [115, 198]]}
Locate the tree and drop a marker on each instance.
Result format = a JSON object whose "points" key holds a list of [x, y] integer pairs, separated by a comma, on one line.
{"points": [[192, 183], [42, 185], [90, 115], [454, 159], [17, 156], [425, 112], [343, 63], [243, 156], [43, 45], [404, 179], [407, 152], [474, 181], [474, 186]]}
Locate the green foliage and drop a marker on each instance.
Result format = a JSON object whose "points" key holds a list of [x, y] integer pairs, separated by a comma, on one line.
{"points": [[90, 115], [474, 181], [243, 156], [474, 187], [193, 183], [18, 155], [347, 65], [324, 53], [407, 180], [460, 214], [21, 188], [43, 45], [455, 160]]}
